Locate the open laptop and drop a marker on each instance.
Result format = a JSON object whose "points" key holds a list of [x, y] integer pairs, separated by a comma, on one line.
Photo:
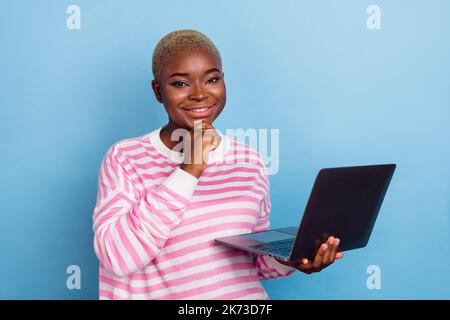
{"points": [[344, 203]]}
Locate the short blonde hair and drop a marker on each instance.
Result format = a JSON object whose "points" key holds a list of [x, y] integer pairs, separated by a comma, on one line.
{"points": [[176, 41]]}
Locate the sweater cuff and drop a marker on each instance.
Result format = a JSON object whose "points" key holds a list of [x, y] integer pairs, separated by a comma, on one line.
{"points": [[182, 183], [281, 268]]}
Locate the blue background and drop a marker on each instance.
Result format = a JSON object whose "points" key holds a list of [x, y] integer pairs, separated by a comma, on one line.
{"points": [[340, 94]]}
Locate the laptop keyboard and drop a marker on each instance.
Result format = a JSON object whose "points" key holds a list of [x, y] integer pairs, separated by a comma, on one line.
{"points": [[280, 247]]}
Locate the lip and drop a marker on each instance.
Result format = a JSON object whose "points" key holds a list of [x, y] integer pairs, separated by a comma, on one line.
{"points": [[199, 114]]}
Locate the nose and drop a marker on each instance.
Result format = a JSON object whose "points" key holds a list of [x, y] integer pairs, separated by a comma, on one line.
{"points": [[198, 93]]}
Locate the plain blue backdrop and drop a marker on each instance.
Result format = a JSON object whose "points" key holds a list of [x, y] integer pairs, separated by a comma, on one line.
{"points": [[339, 93]]}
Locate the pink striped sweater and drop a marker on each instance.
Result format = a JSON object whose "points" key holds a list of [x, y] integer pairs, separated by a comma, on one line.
{"points": [[155, 224]]}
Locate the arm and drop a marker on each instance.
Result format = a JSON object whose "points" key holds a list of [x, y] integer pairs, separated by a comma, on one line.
{"points": [[131, 230], [268, 267]]}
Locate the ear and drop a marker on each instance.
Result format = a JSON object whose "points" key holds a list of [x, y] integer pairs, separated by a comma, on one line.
{"points": [[157, 90]]}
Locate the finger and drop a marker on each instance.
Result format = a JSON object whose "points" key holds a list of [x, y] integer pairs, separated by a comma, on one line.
{"points": [[334, 249], [208, 135], [327, 255], [319, 255], [213, 141], [209, 131], [339, 255], [305, 265], [210, 142], [211, 137], [205, 125]]}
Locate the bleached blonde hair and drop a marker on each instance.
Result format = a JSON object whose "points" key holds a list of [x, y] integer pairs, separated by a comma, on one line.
{"points": [[179, 40]]}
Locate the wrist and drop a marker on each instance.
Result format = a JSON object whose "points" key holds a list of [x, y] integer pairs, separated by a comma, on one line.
{"points": [[193, 169]]}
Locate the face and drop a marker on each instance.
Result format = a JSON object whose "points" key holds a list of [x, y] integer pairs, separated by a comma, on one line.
{"points": [[191, 87]]}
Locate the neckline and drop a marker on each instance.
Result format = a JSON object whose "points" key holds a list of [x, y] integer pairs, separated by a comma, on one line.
{"points": [[215, 155]]}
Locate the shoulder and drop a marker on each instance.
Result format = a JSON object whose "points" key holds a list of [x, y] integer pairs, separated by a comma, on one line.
{"points": [[123, 148], [244, 154]]}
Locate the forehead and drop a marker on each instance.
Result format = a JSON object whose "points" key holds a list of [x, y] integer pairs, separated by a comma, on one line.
{"points": [[191, 61]]}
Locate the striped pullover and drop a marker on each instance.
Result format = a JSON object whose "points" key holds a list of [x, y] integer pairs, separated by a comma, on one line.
{"points": [[155, 224]]}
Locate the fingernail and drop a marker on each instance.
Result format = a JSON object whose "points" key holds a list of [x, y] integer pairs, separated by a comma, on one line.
{"points": [[305, 261], [337, 241], [324, 247]]}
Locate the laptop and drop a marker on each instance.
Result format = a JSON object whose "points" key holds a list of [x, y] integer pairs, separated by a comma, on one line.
{"points": [[344, 203]]}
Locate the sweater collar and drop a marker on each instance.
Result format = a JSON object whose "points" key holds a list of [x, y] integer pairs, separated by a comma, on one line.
{"points": [[216, 155]]}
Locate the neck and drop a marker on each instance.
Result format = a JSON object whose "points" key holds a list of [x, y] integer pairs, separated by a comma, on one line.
{"points": [[166, 135]]}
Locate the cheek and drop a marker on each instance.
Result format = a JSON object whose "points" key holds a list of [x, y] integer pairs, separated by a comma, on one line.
{"points": [[172, 99], [219, 92], [174, 95]]}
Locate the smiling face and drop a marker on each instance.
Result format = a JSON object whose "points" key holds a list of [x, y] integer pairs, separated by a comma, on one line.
{"points": [[191, 86]]}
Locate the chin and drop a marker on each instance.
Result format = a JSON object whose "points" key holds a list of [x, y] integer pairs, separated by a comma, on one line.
{"points": [[192, 121]]}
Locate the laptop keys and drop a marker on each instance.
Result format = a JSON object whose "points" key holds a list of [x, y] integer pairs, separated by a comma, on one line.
{"points": [[281, 247]]}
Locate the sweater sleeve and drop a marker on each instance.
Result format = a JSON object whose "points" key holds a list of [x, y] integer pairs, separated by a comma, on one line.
{"points": [[268, 267], [129, 229]]}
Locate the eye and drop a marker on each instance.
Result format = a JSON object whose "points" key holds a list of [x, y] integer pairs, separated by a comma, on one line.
{"points": [[179, 84], [213, 80]]}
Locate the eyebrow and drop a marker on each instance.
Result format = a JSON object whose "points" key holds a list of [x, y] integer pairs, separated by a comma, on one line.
{"points": [[186, 74]]}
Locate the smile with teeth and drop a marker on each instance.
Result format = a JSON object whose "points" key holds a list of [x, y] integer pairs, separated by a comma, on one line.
{"points": [[199, 109]]}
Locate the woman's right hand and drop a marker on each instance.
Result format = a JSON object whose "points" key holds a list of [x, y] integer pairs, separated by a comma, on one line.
{"points": [[202, 139]]}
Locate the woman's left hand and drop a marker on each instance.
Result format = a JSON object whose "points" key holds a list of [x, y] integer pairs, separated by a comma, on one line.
{"points": [[326, 255]]}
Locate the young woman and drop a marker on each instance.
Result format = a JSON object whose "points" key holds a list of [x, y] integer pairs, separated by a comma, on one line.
{"points": [[159, 207]]}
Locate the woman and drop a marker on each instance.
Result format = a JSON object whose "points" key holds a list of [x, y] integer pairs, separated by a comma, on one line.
{"points": [[160, 205]]}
